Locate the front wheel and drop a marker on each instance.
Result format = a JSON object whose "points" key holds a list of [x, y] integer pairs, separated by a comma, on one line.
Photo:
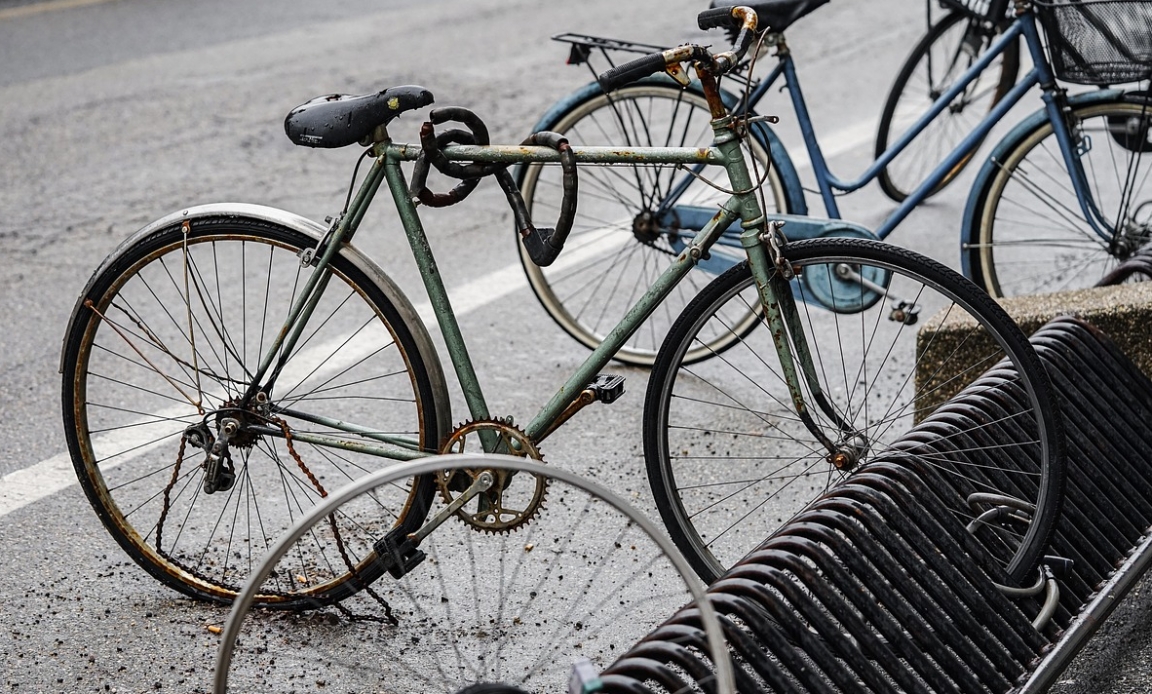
{"points": [[1026, 232], [729, 459], [157, 363]]}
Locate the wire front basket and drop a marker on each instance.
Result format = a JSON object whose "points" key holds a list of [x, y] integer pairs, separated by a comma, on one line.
{"points": [[1098, 41]]}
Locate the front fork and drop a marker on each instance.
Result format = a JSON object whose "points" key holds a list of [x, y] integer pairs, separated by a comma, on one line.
{"points": [[1122, 234], [772, 276]]}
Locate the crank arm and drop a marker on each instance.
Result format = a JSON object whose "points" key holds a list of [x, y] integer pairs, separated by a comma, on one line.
{"points": [[483, 483], [604, 388], [845, 272]]}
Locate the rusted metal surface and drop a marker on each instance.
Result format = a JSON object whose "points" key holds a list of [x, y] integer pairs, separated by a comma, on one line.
{"points": [[712, 94]]}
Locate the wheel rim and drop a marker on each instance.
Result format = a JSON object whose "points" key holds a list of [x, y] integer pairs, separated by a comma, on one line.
{"points": [[1034, 237], [587, 579], [621, 241], [139, 382]]}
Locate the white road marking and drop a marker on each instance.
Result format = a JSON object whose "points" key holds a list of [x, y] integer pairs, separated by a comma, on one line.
{"points": [[23, 487], [837, 143]]}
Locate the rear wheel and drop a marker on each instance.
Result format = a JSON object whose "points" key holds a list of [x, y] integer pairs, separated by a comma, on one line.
{"points": [[730, 461], [621, 240], [157, 364]]}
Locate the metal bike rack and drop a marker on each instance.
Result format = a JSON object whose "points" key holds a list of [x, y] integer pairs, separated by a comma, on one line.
{"points": [[1139, 262], [879, 587]]}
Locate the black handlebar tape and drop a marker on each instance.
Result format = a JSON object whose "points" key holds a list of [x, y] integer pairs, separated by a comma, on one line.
{"points": [[743, 41], [718, 18], [631, 71]]}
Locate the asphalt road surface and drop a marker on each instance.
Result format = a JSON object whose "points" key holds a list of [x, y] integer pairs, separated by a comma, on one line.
{"points": [[116, 112]]}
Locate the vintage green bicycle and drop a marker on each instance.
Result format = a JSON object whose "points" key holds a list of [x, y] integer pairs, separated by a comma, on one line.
{"points": [[229, 365]]}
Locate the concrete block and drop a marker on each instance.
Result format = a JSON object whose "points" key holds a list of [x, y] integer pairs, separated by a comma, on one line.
{"points": [[1123, 312]]}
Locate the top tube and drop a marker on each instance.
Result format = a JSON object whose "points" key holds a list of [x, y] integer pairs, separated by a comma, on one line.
{"points": [[520, 154]]}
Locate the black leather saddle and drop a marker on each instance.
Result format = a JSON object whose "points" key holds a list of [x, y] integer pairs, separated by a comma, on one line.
{"points": [[776, 15], [339, 120]]}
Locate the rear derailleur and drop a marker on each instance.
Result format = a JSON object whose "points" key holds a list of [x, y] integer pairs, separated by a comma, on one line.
{"points": [[219, 472]]}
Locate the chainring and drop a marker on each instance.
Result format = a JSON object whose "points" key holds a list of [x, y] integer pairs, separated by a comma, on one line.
{"points": [[514, 499]]}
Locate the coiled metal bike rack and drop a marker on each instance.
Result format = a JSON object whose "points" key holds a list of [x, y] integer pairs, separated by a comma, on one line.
{"points": [[878, 587]]}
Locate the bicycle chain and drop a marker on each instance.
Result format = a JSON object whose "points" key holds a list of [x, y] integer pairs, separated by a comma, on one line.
{"points": [[388, 617], [167, 496], [352, 570], [164, 516]]}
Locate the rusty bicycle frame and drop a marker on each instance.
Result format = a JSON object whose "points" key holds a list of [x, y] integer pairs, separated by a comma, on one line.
{"points": [[742, 206]]}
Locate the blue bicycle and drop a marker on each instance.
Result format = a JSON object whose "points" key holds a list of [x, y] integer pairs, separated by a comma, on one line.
{"points": [[951, 44], [1062, 199]]}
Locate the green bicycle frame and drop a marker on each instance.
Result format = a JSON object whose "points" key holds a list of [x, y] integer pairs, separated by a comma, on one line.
{"points": [[742, 205]]}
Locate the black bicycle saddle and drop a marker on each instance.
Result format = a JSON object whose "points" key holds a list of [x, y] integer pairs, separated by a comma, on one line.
{"points": [[776, 15], [339, 120]]}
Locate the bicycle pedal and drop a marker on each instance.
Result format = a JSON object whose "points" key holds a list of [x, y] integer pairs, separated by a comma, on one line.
{"points": [[607, 387], [1061, 567], [397, 553]]}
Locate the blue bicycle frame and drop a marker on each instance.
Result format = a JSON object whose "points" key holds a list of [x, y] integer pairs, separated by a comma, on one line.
{"points": [[1040, 74]]}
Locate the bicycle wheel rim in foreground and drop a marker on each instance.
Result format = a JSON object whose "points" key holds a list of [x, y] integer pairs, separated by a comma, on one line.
{"points": [[619, 244], [165, 339], [474, 625], [1032, 236], [729, 461]]}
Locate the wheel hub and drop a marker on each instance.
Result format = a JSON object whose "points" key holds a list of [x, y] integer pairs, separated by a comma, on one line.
{"points": [[256, 412], [1136, 232], [645, 228], [849, 452]]}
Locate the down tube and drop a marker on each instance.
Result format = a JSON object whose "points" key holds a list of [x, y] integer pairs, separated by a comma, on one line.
{"points": [[643, 308]]}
